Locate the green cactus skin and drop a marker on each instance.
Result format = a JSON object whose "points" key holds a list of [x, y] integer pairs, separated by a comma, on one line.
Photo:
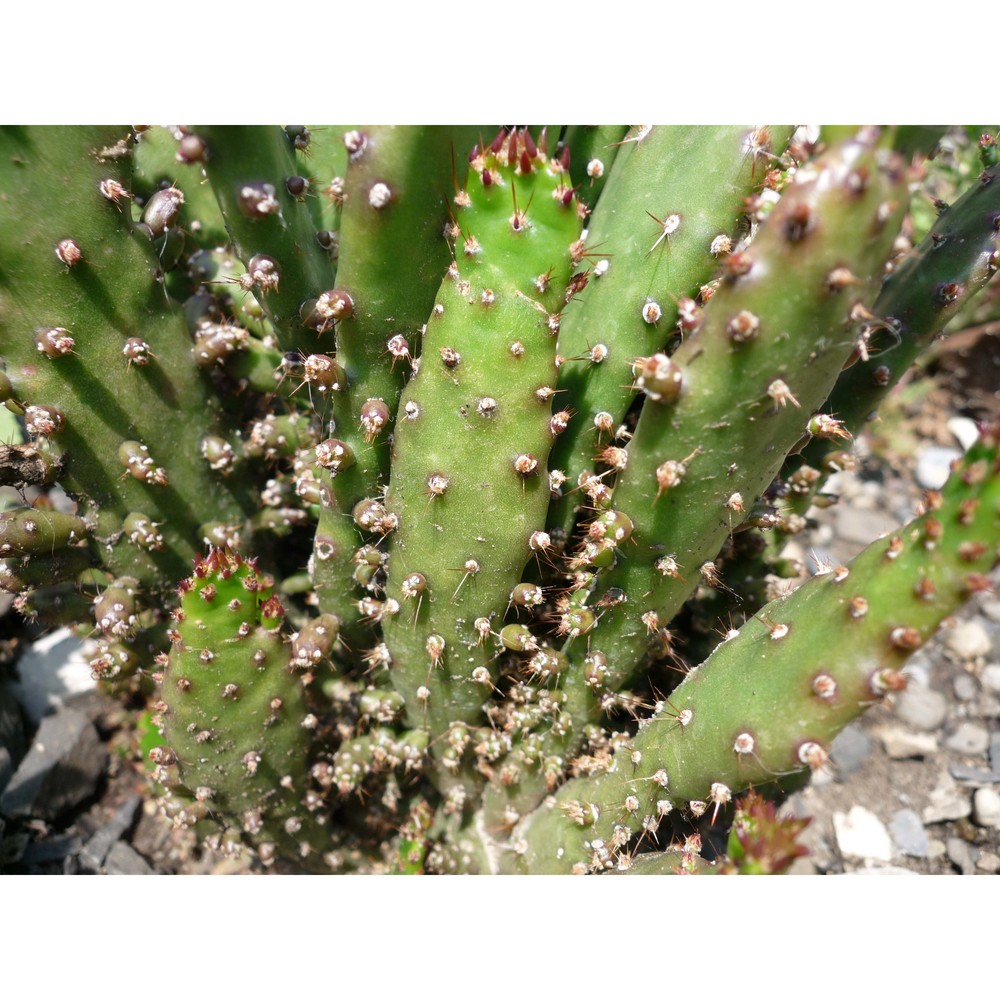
{"points": [[668, 214], [20, 573], [395, 190], [160, 162], [322, 156], [234, 716], [77, 290], [769, 700], [771, 347], [248, 167], [27, 532], [728, 459], [923, 292], [469, 482], [453, 690], [396, 206], [592, 149]]}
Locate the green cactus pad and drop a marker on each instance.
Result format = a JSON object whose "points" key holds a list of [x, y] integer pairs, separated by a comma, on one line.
{"points": [[469, 479], [78, 290], [234, 715]]}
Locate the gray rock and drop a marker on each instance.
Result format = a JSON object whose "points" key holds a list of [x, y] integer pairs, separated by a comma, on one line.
{"points": [[987, 706], [861, 526], [123, 860], [96, 849], [850, 749], [962, 855], [967, 640], [6, 767], [990, 678], [964, 430], [922, 708], [947, 801], [60, 770], [988, 862], [990, 606], [973, 775], [11, 726], [936, 848], [934, 466], [995, 751], [40, 852], [861, 834], [901, 744], [965, 687], [986, 807], [969, 738], [53, 668], [908, 833], [882, 870]]}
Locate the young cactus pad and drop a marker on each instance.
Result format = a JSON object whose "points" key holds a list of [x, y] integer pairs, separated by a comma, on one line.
{"points": [[234, 714]]}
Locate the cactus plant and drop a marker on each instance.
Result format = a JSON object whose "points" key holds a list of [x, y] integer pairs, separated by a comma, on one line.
{"points": [[441, 428]]}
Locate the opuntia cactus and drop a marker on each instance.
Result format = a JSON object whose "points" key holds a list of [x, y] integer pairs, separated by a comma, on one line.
{"points": [[451, 424]]}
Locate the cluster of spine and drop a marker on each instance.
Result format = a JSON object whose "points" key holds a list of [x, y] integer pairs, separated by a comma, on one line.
{"points": [[488, 421]]}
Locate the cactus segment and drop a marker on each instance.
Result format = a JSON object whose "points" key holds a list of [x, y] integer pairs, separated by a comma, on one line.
{"points": [[26, 532], [80, 388], [746, 397], [248, 167], [469, 484], [323, 154], [234, 715], [923, 292], [334, 544], [769, 700], [395, 208], [694, 466], [668, 215]]}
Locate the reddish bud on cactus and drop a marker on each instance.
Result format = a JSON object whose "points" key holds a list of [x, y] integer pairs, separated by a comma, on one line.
{"points": [[759, 842]]}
